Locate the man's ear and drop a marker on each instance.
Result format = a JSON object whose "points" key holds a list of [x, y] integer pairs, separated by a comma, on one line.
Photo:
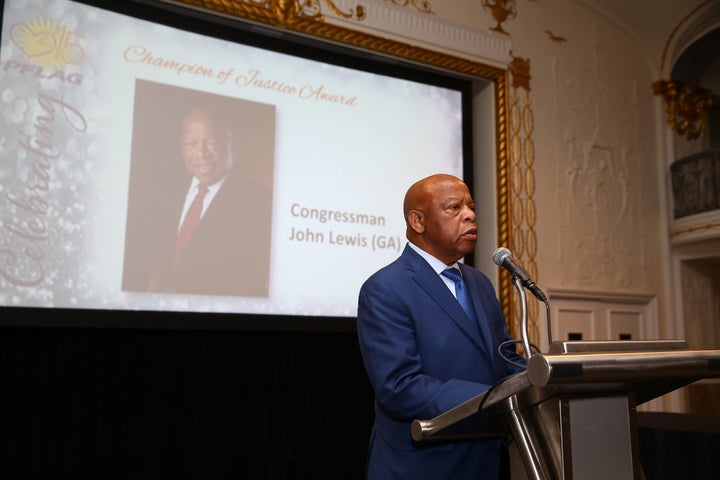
{"points": [[416, 220]]}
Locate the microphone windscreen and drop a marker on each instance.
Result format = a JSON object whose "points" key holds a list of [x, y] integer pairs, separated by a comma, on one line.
{"points": [[500, 254]]}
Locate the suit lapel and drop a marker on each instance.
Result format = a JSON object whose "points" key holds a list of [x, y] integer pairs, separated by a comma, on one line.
{"points": [[430, 281]]}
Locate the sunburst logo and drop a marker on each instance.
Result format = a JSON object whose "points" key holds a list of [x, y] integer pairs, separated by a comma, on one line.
{"points": [[46, 44]]}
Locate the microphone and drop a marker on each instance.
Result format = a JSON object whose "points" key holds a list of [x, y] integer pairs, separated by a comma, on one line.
{"points": [[503, 258]]}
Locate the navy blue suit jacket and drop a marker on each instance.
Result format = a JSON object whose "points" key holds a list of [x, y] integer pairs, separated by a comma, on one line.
{"points": [[423, 356]]}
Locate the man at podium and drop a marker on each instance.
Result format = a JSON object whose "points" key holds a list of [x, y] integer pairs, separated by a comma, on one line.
{"points": [[429, 329]]}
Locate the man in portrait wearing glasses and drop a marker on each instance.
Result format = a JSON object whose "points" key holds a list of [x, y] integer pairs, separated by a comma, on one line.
{"points": [[220, 236]]}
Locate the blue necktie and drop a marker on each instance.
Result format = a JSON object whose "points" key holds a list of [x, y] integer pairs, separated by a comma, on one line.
{"points": [[461, 291], [463, 298]]}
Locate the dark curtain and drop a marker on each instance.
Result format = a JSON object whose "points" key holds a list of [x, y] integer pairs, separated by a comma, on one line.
{"points": [[676, 445], [138, 403]]}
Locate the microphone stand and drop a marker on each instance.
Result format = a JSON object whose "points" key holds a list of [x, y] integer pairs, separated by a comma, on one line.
{"points": [[523, 315]]}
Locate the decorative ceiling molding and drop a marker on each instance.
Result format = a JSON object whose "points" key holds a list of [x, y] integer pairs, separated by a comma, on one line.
{"points": [[421, 6], [380, 18], [388, 20], [385, 21]]}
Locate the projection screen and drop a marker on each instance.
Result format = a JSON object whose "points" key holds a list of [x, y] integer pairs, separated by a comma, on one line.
{"points": [[96, 150]]}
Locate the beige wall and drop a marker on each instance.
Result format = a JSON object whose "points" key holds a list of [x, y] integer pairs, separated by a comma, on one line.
{"points": [[600, 183]]}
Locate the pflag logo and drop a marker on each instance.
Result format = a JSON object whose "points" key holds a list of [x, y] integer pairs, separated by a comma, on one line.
{"points": [[47, 44]]}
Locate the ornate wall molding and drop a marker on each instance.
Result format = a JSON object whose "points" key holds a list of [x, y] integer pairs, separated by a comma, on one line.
{"points": [[602, 296], [686, 107], [501, 10], [522, 189]]}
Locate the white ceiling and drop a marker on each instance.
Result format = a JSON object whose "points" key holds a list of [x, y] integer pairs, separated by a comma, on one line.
{"points": [[653, 23], [665, 28], [650, 20]]}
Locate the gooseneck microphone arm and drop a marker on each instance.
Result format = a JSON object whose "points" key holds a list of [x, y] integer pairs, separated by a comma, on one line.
{"points": [[549, 323], [503, 258], [523, 316]]}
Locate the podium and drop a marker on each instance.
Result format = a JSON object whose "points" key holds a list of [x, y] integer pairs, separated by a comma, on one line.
{"points": [[572, 412]]}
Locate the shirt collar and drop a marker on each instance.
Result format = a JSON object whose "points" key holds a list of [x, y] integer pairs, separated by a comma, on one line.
{"points": [[435, 264], [212, 189]]}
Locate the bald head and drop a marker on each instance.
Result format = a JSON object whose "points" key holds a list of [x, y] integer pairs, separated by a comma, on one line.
{"points": [[440, 217], [421, 191]]}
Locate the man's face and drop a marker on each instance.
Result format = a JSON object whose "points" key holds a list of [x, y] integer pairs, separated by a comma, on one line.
{"points": [[205, 147], [449, 220]]}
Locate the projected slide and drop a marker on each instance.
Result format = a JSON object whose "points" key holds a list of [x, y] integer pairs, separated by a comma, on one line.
{"points": [[143, 167]]}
